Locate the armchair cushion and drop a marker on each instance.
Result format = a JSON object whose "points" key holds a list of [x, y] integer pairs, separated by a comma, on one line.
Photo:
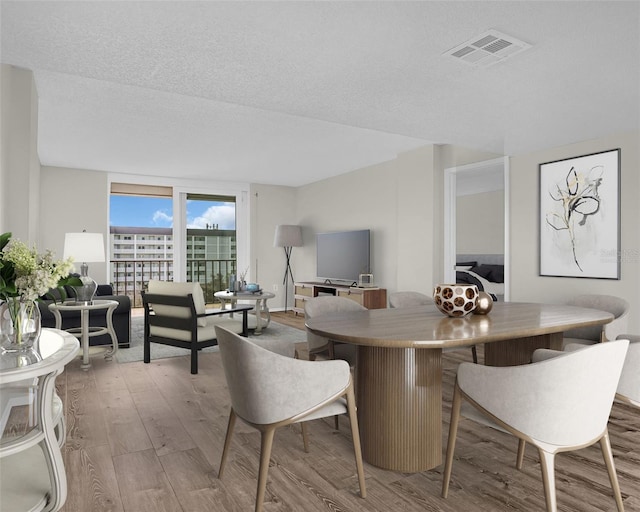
{"points": [[181, 289], [205, 332]]}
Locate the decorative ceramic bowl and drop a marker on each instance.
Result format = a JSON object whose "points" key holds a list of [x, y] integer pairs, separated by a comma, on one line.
{"points": [[455, 299]]}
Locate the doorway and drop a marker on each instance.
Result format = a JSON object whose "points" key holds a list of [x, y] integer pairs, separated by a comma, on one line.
{"points": [[464, 185]]}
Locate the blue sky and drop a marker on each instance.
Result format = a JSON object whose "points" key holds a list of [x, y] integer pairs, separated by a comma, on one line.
{"points": [[157, 212]]}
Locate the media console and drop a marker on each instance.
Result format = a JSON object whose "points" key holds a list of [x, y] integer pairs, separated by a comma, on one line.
{"points": [[370, 298]]}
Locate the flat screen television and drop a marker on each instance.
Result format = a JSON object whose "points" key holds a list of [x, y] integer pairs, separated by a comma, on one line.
{"points": [[343, 255]]}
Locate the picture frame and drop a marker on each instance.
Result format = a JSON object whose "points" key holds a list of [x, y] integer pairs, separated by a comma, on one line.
{"points": [[579, 223]]}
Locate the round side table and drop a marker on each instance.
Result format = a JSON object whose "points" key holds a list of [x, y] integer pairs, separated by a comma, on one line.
{"points": [[85, 331], [261, 310]]}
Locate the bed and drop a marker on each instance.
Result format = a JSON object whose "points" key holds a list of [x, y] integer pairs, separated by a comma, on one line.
{"points": [[486, 271]]}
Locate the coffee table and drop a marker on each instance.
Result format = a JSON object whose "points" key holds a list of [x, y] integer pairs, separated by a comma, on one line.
{"points": [[260, 308]]}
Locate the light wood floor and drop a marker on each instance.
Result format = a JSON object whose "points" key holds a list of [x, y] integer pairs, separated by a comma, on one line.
{"points": [[148, 437]]}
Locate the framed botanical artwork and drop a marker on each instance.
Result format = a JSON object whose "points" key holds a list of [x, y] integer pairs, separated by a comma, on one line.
{"points": [[580, 216]]}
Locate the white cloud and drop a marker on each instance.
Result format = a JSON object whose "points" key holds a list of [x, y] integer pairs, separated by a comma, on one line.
{"points": [[224, 216], [162, 218]]}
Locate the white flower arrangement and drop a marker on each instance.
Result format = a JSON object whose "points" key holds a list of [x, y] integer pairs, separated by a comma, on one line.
{"points": [[28, 275]]}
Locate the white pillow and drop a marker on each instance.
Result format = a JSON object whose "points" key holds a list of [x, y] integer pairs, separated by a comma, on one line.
{"points": [[180, 290]]}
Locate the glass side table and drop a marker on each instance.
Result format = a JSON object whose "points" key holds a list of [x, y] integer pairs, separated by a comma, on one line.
{"points": [[261, 310], [32, 427], [85, 331]]}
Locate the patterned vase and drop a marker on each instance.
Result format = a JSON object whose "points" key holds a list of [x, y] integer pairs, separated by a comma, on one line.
{"points": [[455, 299]]}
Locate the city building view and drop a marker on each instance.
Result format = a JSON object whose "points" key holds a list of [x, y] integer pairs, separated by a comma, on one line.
{"points": [[139, 254]]}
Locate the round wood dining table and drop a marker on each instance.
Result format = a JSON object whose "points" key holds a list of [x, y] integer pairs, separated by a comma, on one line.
{"points": [[399, 366]]}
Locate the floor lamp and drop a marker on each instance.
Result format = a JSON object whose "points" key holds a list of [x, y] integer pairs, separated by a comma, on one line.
{"points": [[287, 236]]}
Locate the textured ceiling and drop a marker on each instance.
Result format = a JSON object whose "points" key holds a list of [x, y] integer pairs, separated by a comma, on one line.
{"points": [[293, 92]]}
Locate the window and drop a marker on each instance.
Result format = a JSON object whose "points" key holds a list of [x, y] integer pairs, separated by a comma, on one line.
{"points": [[191, 234]]}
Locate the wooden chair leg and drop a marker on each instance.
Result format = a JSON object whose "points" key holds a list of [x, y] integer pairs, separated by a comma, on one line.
{"points": [[227, 441], [355, 434], [607, 454], [305, 436], [522, 445], [451, 443], [548, 479], [265, 455], [474, 354]]}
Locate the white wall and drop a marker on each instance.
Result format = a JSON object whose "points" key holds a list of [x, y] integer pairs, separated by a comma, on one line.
{"points": [[73, 200], [480, 223], [270, 206], [400, 201], [19, 164], [394, 200], [527, 285]]}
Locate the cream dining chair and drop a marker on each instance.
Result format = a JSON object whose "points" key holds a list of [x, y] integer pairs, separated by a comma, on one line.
{"points": [[570, 414], [628, 390], [269, 390], [617, 306], [326, 305], [407, 299], [629, 385]]}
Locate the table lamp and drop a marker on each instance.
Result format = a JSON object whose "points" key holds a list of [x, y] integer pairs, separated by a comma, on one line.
{"points": [[87, 248], [287, 236]]}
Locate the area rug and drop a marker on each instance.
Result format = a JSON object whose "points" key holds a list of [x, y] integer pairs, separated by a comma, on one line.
{"points": [[135, 351]]}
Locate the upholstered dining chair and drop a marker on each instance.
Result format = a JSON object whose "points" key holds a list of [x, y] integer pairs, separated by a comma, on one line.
{"points": [[325, 305], [629, 385], [570, 414], [175, 315], [269, 390], [407, 299], [617, 306]]}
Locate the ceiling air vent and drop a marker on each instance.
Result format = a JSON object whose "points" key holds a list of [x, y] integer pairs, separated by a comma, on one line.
{"points": [[487, 49]]}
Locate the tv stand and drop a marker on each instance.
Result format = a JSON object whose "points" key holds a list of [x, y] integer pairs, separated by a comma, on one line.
{"points": [[370, 298], [328, 281]]}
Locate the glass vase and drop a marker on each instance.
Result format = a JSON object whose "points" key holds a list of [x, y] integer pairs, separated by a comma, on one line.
{"points": [[19, 325]]}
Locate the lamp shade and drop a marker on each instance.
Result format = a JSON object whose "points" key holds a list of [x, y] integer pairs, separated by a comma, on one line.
{"points": [[84, 247], [288, 236]]}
